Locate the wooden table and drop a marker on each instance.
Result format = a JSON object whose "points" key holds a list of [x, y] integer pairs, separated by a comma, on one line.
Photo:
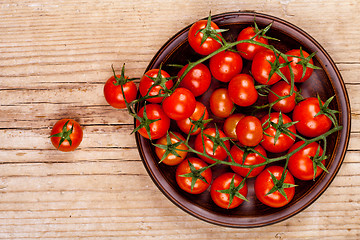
{"points": [[54, 59]]}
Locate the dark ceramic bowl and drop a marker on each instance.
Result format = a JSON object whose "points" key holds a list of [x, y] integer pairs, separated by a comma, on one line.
{"points": [[326, 82]]}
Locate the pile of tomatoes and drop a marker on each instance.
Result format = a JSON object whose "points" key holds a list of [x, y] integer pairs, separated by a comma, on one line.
{"points": [[289, 127]]}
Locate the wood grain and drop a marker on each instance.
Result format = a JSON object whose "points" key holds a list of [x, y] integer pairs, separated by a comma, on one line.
{"points": [[54, 59]]}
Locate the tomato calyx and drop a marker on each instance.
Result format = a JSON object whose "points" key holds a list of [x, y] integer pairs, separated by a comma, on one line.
{"points": [[208, 32], [144, 122], [280, 185], [317, 161], [195, 174], [64, 134], [276, 66], [261, 32], [325, 110], [218, 141], [305, 62], [280, 128], [170, 148], [122, 80], [199, 124], [234, 191], [160, 81]]}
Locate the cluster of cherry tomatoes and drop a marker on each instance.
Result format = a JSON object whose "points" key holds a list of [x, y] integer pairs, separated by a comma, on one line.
{"points": [[244, 140]]}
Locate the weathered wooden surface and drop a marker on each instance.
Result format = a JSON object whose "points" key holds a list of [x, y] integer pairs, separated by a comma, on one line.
{"points": [[54, 59]]}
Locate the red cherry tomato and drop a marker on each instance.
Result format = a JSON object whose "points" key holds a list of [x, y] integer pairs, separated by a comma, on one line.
{"points": [[220, 153], [242, 90], [284, 142], [66, 138], [264, 183], [282, 88], [309, 125], [180, 104], [197, 80], [186, 125], [248, 50], [225, 65], [195, 38], [223, 182], [261, 68], [114, 95], [249, 131], [251, 159], [146, 83], [230, 125], [301, 165], [220, 103], [297, 68], [185, 182], [171, 159], [158, 128]]}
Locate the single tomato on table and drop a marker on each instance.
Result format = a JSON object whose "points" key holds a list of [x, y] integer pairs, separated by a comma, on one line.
{"points": [[172, 147], [193, 176], [113, 91], [153, 117], [269, 192], [228, 191], [152, 77], [66, 135]]}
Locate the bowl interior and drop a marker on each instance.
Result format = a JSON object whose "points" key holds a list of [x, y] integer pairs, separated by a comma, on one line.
{"points": [[325, 82]]}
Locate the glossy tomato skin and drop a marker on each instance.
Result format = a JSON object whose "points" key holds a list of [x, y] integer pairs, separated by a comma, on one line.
{"points": [[197, 80], [284, 142], [185, 182], [223, 182], [300, 164], [195, 37], [171, 159], [180, 104], [146, 83], [230, 125], [297, 68], [249, 131], [186, 125], [158, 128], [242, 90], [264, 183], [251, 159], [114, 95], [282, 88], [220, 152], [309, 125], [260, 67], [220, 103], [248, 50], [76, 136], [225, 65]]}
